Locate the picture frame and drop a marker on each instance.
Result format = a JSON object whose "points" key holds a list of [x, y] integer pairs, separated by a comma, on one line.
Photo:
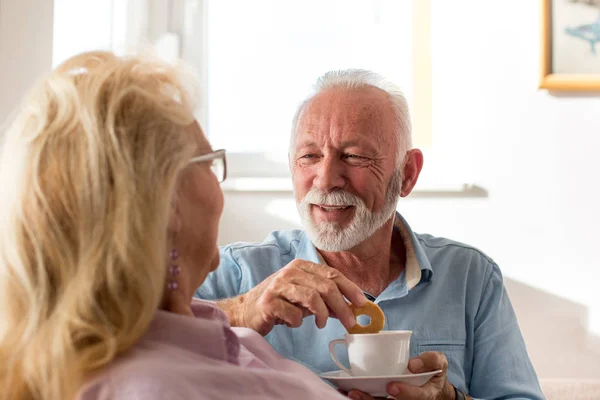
{"points": [[570, 58]]}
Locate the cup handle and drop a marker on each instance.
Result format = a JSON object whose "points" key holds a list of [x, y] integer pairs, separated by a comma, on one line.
{"points": [[332, 354]]}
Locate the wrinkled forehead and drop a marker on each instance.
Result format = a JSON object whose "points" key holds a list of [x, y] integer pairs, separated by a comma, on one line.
{"points": [[362, 111]]}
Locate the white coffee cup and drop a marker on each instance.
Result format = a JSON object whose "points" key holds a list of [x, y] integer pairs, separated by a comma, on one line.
{"points": [[375, 354]]}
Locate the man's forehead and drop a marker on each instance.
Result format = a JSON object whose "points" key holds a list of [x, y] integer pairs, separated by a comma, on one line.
{"points": [[361, 111], [357, 105]]}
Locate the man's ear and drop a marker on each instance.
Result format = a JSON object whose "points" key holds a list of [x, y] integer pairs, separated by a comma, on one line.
{"points": [[412, 168], [174, 224]]}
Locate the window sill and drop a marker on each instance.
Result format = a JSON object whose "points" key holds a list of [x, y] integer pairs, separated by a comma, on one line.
{"points": [[284, 185]]}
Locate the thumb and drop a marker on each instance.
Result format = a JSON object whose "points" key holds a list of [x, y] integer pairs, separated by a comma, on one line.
{"points": [[428, 361], [416, 365]]}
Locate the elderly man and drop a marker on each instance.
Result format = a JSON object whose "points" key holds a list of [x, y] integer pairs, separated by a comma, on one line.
{"points": [[351, 158]]}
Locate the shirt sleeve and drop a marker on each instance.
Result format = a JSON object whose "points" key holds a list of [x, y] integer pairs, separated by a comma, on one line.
{"points": [[501, 365], [225, 281]]}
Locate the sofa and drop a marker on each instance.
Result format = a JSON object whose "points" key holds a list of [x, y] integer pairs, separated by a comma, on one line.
{"points": [[571, 389]]}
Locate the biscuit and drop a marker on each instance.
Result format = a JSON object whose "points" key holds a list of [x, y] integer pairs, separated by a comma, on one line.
{"points": [[374, 312]]}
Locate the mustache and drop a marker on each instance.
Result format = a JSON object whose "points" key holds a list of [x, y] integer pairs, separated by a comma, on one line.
{"points": [[337, 198]]}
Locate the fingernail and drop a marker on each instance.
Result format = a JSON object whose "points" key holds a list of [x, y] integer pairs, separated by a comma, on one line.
{"points": [[351, 321], [354, 396], [363, 300], [394, 390], [416, 364]]}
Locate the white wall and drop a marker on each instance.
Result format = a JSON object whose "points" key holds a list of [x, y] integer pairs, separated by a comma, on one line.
{"points": [[81, 26], [25, 48], [537, 155]]}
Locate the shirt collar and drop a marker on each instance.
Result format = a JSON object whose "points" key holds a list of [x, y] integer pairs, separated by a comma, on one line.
{"points": [[207, 333], [417, 267]]}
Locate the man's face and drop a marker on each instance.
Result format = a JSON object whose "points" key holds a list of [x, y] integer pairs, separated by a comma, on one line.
{"points": [[344, 166]]}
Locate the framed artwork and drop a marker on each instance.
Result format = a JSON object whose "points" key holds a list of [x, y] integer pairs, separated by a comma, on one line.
{"points": [[570, 45]]}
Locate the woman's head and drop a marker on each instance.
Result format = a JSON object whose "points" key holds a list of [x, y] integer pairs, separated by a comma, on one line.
{"points": [[196, 209], [96, 182]]}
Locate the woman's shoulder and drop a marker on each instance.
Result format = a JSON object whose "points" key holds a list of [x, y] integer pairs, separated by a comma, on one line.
{"points": [[141, 386], [147, 371], [154, 373]]}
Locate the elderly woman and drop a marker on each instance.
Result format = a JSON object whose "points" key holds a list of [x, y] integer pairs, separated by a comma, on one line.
{"points": [[109, 223]]}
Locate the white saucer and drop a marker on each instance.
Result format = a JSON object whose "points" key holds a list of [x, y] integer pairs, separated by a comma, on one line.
{"points": [[375, 385]]}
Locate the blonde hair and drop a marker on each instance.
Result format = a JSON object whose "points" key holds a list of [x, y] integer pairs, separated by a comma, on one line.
{"points": [[88, 171]]}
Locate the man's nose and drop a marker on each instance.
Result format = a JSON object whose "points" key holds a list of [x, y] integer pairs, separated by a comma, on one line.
{"points": [[330, 175]]}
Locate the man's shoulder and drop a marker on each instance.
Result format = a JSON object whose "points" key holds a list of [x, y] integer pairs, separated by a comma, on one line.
{"points": [[436, 248], [283, 242], [451, 260]]}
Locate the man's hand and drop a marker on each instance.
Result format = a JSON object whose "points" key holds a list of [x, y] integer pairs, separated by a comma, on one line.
{"points": [[299, 289], [437, 388]]}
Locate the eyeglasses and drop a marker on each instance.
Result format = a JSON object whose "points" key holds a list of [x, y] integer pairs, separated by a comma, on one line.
{"points": [[218, 164]]}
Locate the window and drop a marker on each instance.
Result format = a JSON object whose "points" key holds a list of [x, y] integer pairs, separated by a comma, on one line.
{"points": [[80, 26], [257, 59], [263, 57], [116, 25]]}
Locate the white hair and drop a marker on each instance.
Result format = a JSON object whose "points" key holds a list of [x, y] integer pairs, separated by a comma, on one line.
{"points": [[356, 79], [330, 236]]}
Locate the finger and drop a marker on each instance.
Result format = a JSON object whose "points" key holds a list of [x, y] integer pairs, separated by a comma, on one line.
{"points": [[279, 310], [428, 361], [405, 391], [358, 395], [305, 313], [416, 365], [348, 288], [330, 294], [336, 303], [311, 300], [304, 296]]}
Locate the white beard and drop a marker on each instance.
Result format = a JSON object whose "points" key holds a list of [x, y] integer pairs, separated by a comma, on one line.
{"points": [[329, 236]]}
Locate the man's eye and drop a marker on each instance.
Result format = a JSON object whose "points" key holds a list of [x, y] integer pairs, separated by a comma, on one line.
{"points": [[354, 156], [356, 160], [308, 156]]}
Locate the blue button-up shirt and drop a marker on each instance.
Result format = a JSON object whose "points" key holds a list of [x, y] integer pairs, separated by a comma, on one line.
{"points": [[450, 295]]}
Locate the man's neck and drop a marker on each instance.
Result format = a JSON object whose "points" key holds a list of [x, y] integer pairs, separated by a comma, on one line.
{"points": [[372, 265]]}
